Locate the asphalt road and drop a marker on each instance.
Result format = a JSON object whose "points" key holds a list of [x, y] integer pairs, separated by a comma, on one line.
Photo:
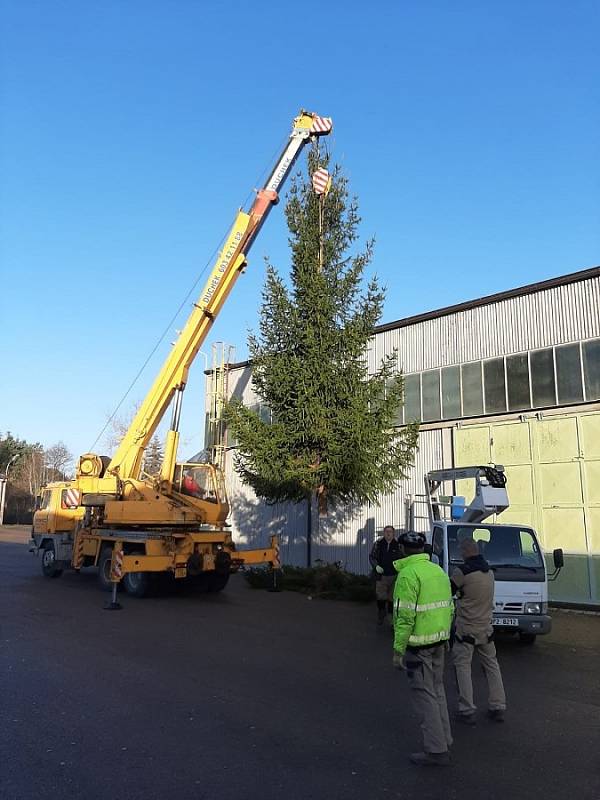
{"points": [[249, 695]]}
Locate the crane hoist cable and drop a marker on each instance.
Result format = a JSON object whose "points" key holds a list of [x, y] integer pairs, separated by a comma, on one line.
{"points": [[182, 305]]}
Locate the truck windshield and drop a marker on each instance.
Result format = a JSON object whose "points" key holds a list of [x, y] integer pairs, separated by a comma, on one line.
{"points": [[501, 545]]}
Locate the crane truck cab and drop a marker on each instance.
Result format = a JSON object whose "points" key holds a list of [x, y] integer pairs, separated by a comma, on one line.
{"points": [[57, 509], [512, 550]]}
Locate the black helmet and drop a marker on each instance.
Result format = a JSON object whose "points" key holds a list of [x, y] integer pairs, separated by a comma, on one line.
{"points": [[412, 539]]}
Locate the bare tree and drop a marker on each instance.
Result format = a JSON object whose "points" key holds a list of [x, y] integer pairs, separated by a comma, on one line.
{"points": [[26, 483], [117, 428], [58, 459], [33, 470]]}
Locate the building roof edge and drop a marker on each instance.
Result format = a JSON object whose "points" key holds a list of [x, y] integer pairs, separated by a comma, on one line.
{"points": [[531, 288]]}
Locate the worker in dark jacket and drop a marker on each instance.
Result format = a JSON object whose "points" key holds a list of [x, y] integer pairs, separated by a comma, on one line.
{"points": [[473, 583], [385, 551]]}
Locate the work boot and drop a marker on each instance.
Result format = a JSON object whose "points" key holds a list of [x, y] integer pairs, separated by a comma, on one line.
{"points": [[467, 719], [497, 714], [430, 759]]}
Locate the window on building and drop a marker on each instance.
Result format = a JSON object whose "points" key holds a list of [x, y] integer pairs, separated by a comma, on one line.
{"points": [[472, 391], [399, 416], [264, 412], [517, 380], [230, 438], [495, 390], [451, 392], [591, 369], [412, 398], [543, 384], [430, 382], [568, 373], [538, 379]]}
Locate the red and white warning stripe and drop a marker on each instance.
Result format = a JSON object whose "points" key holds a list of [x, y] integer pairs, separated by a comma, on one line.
{"points": [[321, 181], [321, 125], [117, 564], [276, 560], [70, 498]]}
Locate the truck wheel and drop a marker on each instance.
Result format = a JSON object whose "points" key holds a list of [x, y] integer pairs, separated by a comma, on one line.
{"points": [[217, 581], [49, 564], [104, 569], [527, 638], [137, 584]]}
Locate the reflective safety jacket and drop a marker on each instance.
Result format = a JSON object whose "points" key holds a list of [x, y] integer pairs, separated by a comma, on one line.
{"points": [[422, 603]]}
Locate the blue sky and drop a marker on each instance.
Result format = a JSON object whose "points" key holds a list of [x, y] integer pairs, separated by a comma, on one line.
{"points": [[132, 131]]}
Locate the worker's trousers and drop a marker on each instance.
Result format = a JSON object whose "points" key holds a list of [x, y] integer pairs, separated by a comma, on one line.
{"points": [[425, 670], [384, 587], [462, 657]]}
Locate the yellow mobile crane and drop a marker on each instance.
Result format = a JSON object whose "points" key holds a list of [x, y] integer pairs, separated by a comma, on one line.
{"points": [[131, 524]]}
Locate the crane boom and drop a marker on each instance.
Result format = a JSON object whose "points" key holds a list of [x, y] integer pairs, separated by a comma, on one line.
{"points": [[170, 381]]}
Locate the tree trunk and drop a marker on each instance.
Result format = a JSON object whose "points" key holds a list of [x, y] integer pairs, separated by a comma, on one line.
{"points": [[309, 530], [322, 501]]}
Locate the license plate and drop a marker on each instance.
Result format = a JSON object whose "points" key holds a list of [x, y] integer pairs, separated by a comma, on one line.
{"points": [[180, 572], [508, 621]]}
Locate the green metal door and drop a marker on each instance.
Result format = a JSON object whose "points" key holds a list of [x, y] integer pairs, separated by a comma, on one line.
{"points": [[553, 470]]}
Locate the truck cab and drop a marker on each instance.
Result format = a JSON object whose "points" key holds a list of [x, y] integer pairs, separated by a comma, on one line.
{"points": [[56, 509], [515, 557], [512, 551]]}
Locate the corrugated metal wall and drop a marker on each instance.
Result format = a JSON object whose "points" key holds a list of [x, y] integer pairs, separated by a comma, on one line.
{"points": [[558, 315], [554, 316], [347, 534]]}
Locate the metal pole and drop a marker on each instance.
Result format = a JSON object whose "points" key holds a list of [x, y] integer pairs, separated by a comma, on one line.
{"points": [[113, 600], [2, 495], [309, 530], [115, 576], [4, 484], [321, 200]]}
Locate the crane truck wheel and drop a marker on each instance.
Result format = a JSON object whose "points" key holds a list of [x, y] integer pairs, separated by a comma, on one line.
{"points": [[49, 564], [137, 584], [104, 569]]}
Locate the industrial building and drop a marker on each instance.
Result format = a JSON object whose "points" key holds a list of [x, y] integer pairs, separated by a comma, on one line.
{"points": [[513, 379]]}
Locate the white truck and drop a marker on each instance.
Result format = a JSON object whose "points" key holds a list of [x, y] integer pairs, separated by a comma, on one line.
{"points": [[512, 551]]}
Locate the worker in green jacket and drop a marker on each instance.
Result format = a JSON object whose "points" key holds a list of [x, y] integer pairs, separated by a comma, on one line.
{"points": [[422, 618]]}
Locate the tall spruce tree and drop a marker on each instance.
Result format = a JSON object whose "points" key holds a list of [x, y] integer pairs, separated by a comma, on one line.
{"points": [[332, 431]]}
